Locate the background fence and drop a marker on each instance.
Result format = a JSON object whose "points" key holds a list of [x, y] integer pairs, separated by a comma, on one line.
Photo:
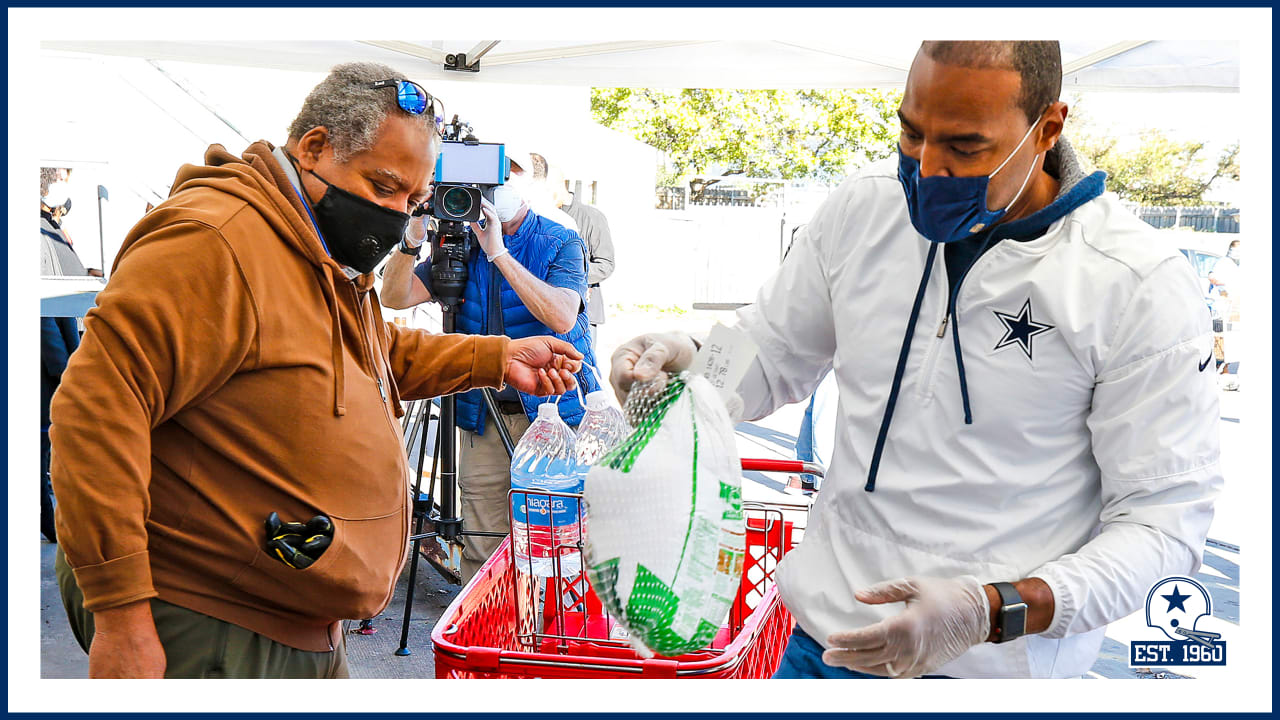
{"points": [[1200, 219], [724, 239]]}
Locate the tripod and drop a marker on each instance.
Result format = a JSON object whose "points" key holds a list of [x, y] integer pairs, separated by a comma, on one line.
{"points": [[450, 250]]}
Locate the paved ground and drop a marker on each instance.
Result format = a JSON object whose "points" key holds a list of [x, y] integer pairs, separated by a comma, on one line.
{"points": [[372, 656], [60, 656]]}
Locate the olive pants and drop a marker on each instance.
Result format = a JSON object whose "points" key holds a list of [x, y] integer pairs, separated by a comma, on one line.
{"points": [[484, 478], [199, 646]]}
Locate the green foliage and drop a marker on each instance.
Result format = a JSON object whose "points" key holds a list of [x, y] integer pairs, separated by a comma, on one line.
{"points": [[650, 308], [1158, 171], [791, 134]]}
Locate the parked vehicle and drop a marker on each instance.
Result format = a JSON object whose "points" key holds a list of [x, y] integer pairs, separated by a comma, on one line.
{"points": [[1203, 250]]}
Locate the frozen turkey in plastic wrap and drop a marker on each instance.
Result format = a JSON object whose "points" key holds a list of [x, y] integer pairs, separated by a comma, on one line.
{"points": [[664, 529]]}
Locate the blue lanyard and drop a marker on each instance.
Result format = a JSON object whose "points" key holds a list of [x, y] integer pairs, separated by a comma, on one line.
{"points": [[307, 206]]}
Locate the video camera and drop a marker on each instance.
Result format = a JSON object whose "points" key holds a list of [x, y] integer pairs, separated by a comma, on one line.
{"points": [[466, 170]]}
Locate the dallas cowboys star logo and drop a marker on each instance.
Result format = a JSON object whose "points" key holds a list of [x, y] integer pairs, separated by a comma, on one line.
{"points": [[1020, 329], [1176, 600]]}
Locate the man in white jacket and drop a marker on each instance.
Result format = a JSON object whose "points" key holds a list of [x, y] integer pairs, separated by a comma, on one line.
{"points": [[994, 500]]}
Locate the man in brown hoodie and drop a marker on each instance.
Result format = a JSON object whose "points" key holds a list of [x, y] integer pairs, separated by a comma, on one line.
{"points": [[237, 364]]}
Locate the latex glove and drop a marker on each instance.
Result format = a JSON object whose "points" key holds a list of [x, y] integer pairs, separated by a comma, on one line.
{"points": [[646, 357], [415, 233], [943, 618], [490, 236], [542, 365]]}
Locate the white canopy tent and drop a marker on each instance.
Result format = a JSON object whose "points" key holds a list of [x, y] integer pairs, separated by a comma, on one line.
{"points": [[162, 102], [860, 61]]}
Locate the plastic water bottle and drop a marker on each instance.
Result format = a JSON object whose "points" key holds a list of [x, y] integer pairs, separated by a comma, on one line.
{"points": [[545, 526], [602, 427]]}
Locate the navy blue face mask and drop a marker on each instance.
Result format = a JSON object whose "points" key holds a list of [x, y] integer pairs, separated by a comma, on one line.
{"points": [[946, 209]]}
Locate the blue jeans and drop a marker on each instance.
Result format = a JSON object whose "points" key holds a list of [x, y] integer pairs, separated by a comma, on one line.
{"points": [[804, 440], [803, 660]]}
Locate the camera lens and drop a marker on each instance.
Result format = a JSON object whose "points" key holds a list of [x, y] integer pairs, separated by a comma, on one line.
{"points": [[456, 201]]}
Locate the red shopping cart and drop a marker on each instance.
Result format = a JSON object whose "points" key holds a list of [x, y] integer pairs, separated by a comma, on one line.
{"points": [[507, 624]]}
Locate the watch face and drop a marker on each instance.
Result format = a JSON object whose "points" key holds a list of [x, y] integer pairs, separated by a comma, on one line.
{"points": [[1013, 621]]}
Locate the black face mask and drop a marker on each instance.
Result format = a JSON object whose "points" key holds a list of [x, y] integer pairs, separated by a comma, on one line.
{"points": [[358, 233]]}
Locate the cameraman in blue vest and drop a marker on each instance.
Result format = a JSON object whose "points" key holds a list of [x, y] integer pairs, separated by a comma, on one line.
{"points": [[526, 276]]}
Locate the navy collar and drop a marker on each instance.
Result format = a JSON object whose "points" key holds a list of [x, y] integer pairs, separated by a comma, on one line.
{"points": [[1034, 225], [1075, 189]]}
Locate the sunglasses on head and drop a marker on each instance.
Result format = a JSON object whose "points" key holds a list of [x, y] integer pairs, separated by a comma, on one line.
{"points": [[410, 95]]}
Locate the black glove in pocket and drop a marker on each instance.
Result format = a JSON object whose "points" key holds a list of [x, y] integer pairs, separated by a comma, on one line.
{"points": [[298, 545]]}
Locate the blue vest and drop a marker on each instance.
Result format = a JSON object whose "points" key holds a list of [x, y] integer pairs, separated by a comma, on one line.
{"points": [[492, 307]]}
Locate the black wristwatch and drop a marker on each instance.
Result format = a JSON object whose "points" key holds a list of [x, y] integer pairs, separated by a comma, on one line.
{"points": [[404, 248], [1011, 620]]}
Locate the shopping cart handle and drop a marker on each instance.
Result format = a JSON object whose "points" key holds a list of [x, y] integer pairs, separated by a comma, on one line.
{"points": [[787, 466], [484, 659]]}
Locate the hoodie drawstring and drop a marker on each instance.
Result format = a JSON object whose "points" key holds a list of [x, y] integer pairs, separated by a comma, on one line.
{"points": [[955, 331], [906, 349], [339, 365], [902, 366]]}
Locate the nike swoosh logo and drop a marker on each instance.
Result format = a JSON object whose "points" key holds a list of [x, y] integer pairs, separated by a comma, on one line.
{"points": [[1206, 362]]}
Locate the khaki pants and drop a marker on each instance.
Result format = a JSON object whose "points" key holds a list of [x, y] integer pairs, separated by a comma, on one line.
{"points": [[199, 646], [484, 478]]}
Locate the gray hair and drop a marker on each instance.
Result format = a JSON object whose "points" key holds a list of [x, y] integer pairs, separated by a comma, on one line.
{"points": [[49, 176], [352, 111], [539, 169]]}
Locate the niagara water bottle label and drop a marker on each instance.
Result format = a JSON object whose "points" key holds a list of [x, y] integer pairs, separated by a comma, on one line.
{"points": [[519, 507], [547, 510], [564, 511]]}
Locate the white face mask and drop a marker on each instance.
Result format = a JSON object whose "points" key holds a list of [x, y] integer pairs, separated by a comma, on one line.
{"points": [[59, 193], [508, 198]]}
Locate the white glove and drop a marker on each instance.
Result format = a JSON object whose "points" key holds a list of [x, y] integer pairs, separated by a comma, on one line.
{"points": [[490, 236], [415, 233], [645, 357], [943, 618]]}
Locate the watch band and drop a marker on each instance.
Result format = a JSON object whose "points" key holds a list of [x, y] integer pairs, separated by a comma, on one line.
{"points": [[404, 248], [1011, 620]]}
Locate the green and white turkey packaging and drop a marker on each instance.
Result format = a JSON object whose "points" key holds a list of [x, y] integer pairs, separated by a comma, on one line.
{"points": [[664, 526]]}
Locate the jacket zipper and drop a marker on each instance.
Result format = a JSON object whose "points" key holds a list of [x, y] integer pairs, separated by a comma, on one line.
{"points": [[931, 360], [405, 506], [955, 330], [369, 354], [949, 320]]}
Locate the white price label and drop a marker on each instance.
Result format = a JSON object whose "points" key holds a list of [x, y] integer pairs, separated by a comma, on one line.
{"points": [[724, 358]]}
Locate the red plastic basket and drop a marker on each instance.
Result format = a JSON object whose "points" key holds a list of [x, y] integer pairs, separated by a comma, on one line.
{"points": [[480, 634]]}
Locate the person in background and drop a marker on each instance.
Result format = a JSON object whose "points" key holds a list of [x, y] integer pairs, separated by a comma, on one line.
{"points": [[57, 253], [229, 465], [526, 276], [529, 173], [593, 226], [1226, 283], [59, 336], [816, 437]]}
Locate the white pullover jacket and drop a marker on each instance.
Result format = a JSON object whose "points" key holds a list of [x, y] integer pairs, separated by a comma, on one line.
{"points": [[1091, 458]]}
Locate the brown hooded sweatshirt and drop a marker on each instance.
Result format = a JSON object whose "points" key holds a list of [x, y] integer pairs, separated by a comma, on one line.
{"points": [[230, 370]]}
